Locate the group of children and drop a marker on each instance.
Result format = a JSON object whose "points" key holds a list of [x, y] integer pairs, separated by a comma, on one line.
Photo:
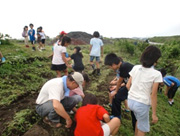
{"points": [[136, 85], [31, 33], [60, 58]]}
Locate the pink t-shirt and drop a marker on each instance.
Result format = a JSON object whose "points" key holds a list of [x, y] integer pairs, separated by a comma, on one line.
{"points": [[77, 91]]}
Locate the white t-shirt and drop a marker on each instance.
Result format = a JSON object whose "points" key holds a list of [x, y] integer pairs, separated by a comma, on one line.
{"points": [[52, 89], [57, 57], [96, 47], [42, 34], [142, 83]]}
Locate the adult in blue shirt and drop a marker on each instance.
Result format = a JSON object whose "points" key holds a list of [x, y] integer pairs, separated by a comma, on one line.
{"points": [[31, 34]]}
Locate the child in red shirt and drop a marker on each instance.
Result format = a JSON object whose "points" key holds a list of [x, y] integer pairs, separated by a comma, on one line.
{"points": [[88, 119]]}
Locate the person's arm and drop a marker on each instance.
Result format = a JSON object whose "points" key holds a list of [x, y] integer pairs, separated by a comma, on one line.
{"points": [[154, 102], [68, 59], [114, 81], [117, 87], [106, 118], [58, 107], [128, 85], [65, 60], [90, 49], [101, 51]]}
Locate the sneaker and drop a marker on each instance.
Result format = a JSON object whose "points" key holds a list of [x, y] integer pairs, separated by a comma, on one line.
{"points": [[27, 46], [170, 103], [33, 49], [110, 105], [71, 112], [3, 59], [127, 110]]}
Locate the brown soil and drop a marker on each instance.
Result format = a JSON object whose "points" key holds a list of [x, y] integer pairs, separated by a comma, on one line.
{"points": [[7, 113]]}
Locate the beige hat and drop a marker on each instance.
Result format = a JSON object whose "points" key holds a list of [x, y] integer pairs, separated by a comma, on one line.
{"points": [[78, 77]]}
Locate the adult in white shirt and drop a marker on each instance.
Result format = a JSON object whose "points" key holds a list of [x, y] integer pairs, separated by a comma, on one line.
{"points": [[51, 103]]}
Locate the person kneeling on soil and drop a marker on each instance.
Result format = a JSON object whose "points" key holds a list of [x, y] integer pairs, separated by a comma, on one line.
{"points": [[51, 103], [89, 119]]}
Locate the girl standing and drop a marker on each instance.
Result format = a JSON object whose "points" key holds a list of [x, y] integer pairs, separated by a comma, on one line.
{"points": [[25, 35], [59, 61]]}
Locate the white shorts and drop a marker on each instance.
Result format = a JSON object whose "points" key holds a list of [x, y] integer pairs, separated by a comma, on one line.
{"points": [[106, 129]]}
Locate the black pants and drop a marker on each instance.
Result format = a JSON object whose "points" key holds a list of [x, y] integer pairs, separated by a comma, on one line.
{"points": [[172, 91], [116, 104]]}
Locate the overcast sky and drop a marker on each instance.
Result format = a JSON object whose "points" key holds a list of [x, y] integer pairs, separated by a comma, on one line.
{"points": [[112, 18]]}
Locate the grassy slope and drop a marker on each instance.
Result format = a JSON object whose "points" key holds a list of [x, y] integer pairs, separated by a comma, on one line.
{"points": [[169, 117]]}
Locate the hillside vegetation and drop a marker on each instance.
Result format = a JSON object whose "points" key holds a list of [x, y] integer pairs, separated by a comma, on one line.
{"points": [[24, 73]]}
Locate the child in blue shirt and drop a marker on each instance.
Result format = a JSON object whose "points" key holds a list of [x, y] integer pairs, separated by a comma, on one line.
{"points": [[172, 84], [31, 34], [96, 50], [2, 58]]}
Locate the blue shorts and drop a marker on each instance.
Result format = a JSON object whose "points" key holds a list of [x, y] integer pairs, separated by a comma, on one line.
{"points": [[92, 58], [141, 112]]}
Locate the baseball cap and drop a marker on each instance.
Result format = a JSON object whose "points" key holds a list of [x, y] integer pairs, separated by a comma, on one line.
{"points": [[62, 32], [78, 77]]}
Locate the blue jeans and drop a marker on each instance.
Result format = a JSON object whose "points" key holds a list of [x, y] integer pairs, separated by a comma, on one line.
{"points": [[47, 109]]}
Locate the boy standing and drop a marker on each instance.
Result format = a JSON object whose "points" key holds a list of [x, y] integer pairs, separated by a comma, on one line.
{"points": [[96, 50], [31, 34]]}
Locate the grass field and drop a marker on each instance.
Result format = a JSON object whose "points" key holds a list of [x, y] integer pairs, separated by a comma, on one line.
{"points": [[24, 73]]}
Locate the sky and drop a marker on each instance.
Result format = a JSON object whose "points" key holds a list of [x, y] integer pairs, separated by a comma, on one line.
{"points": [[112, 18]]}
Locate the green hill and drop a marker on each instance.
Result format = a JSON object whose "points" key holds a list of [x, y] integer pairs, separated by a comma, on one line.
{"points": [[24, 73]]}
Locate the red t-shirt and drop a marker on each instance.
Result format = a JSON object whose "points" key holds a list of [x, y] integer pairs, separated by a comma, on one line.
{"points": [[88, 120]]}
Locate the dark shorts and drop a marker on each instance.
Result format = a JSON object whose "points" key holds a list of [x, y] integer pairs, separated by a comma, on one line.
{"points": [[172, 91], [61, 67], [78, 69], [123, 93], [33, 42], [43, 41]]}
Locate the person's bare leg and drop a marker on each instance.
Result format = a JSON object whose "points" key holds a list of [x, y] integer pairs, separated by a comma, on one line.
{"points": [[114, 125], [126, 104], [97, 65], [58, 73], [136, 130], [66, 72], [140, 133]]}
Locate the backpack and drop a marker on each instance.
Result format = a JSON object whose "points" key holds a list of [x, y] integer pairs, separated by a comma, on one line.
{"points": [[23, 34]]}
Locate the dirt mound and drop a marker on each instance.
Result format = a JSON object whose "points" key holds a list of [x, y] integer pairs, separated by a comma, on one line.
{"points": [[80, 38]]}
